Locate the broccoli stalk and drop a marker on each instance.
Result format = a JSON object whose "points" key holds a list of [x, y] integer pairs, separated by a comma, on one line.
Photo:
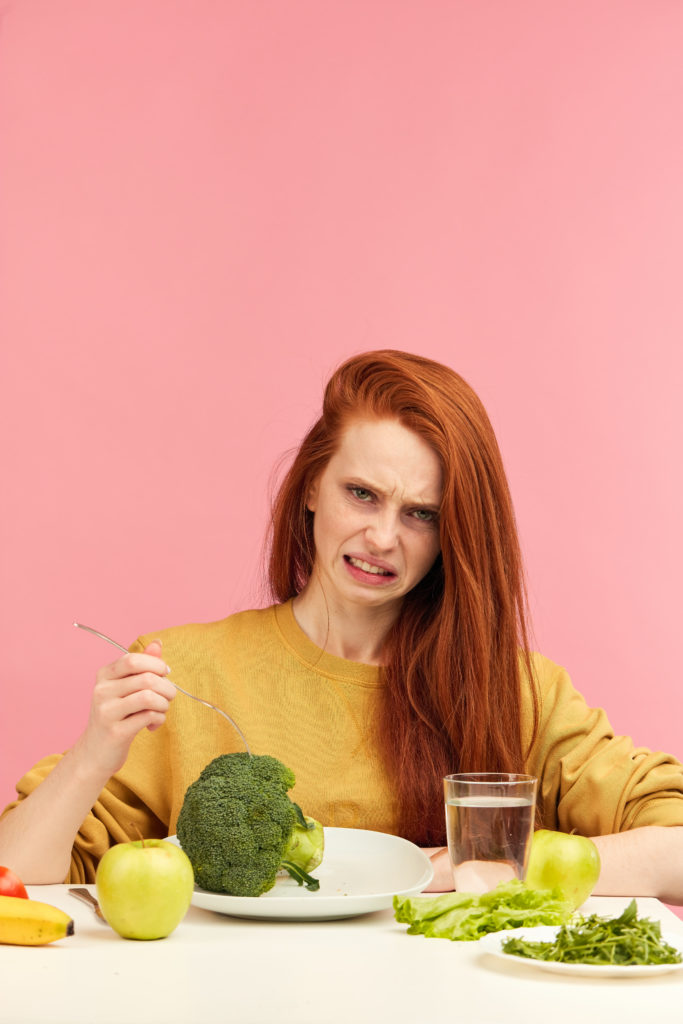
{"points": [[239, 828], [304, 850]]}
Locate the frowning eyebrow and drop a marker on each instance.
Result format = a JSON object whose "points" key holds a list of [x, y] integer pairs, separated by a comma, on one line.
{"points": [[381, 492]]}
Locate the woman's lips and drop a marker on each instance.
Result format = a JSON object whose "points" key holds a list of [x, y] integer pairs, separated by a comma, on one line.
{"points": [[373, 572]]}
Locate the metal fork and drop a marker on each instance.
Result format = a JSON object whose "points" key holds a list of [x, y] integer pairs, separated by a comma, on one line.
{"points": [[102, 636], [87, 897]]}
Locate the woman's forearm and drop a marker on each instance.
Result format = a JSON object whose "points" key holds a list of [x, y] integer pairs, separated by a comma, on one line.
{"points": [[643, 862], [37, 836]]}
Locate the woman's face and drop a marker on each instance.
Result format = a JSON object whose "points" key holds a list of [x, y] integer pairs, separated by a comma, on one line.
{"points": [[376, 510]]}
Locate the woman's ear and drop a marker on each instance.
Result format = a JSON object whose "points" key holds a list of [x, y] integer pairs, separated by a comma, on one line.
{"points": [[312, 496]]}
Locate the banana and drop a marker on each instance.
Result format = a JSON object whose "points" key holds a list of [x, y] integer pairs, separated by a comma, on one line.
{"points": [[25, 922]]}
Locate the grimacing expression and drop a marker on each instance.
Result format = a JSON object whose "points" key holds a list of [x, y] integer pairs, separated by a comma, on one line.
{"points": [[376, 513]]}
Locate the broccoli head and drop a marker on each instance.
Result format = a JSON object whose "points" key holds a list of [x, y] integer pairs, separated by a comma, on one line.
{"points": [[239, 828]]}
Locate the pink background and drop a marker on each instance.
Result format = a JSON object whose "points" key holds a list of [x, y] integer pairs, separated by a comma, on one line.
{"points": [[206, 206]]}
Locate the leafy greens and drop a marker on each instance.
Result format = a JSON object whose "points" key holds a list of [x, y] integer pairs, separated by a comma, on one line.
{"points": [[462, 916], [626, 940]]}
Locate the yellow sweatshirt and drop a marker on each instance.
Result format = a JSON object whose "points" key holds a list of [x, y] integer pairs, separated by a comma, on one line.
{"points": [[315, 712]]}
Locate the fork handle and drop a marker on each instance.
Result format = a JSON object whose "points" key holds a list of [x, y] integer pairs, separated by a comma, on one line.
{"points": [[108, 639], [89, 629], [87, 897]]}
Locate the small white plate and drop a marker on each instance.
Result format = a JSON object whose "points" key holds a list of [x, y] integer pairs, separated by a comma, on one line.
{"points": [[361, 872], [493, 944]]}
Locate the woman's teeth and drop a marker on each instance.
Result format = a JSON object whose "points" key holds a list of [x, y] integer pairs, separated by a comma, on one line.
{"points": [[366, 567]]}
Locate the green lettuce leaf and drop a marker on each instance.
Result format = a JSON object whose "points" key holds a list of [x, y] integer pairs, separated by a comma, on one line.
{"points": [[462, 916]]}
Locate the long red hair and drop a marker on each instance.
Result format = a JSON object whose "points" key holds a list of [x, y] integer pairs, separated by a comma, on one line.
{"points": [[452, 660]]}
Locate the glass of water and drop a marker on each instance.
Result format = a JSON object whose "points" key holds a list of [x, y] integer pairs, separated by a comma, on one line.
{"points": [[489, 824]]}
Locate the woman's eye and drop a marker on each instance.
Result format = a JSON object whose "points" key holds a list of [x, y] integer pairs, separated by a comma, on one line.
{"points": [[361, 493], [425, 515]]}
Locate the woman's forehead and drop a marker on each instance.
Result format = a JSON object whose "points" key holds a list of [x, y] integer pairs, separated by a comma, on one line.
{"points": [[388, 455]]}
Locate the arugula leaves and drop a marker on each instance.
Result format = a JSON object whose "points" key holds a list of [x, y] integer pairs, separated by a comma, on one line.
{"points": [[625, 940], [462, 916]]}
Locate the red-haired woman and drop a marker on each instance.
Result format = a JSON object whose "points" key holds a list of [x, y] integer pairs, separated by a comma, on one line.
{"points": [[397, 652]]}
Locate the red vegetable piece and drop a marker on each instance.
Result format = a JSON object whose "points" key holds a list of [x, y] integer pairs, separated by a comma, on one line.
{"points": [[11, 884]]}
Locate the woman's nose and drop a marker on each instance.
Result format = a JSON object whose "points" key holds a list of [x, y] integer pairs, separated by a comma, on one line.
{"points": [[382, 532]]}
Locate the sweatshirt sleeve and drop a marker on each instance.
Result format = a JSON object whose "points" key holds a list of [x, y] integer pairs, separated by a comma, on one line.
{"points": [[589, 779]]}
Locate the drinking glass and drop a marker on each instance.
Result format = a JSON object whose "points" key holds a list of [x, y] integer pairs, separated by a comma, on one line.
{"points": [[489, 824]]}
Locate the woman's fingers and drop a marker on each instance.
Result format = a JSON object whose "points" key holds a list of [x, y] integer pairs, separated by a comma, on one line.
{"points": [[136, 671], [145, 681], [123, 705], [134, 689], [133, 664]]}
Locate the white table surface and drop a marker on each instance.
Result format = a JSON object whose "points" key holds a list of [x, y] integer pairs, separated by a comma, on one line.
{"points": [[218, 968]]}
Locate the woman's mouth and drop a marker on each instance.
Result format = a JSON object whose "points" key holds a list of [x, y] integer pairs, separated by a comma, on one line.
{"points": [[368, 571]]}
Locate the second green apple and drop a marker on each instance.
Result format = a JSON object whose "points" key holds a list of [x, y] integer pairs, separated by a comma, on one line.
{"points": [[558, 860]]}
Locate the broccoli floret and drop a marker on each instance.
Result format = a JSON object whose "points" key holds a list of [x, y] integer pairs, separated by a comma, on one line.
{"points": [[239, 827]]}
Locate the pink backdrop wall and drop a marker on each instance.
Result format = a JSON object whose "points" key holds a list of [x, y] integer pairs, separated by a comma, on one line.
{"points": [[206, 206]]}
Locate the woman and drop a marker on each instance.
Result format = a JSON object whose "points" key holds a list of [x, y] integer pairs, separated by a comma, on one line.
{"points": [[397, 652]]}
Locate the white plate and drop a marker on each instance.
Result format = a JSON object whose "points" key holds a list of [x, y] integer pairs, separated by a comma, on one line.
{"points": [[493, 943], [361, 872]]}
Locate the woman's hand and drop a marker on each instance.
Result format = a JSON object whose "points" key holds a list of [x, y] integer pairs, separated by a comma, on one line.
{"points": [[130, 694], [441, 862]]}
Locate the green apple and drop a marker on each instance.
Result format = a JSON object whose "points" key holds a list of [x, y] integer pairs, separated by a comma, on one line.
{"points": [[144, 887], [559, 860]]}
